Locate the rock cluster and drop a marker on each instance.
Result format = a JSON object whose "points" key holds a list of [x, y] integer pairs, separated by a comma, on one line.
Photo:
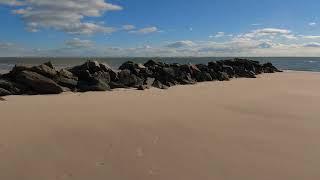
{"points": [[95, 76]]}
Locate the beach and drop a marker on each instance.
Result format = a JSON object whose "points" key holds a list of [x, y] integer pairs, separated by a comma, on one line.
{"points": [[247, 129]]}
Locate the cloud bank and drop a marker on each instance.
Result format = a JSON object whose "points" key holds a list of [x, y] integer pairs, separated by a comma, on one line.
{"points": [[63, 15]]}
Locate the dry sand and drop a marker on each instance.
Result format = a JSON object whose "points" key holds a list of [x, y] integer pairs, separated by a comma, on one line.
{"points": [[246, 129]]}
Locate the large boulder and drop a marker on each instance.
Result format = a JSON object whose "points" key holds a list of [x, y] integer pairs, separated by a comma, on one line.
{"points": [[39, 83], [94, 85], [159, 85], [203, 76], [66, 74], [113, 74], [222, 76], [67, 82], [4, 92], [89, 66], [13, 87], [45, 70], [269, 68], [128, 79], [147, 84]]}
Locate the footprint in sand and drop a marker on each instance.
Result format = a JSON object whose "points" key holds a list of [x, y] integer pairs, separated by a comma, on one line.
{"points": [[139, 152]]}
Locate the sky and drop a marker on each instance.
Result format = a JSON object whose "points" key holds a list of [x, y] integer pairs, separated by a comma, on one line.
{"points": [[139, 28]]}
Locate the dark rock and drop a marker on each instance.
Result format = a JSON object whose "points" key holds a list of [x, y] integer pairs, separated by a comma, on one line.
{"points": [[113, 74], [159, 85], [13, 87], [4, 92], [88, 67], [149, 82], [269, 68], [40, 84], [116, 85], [49, 64], [229, 70], [152, 63], [16, 70], [66, 74], [215, 66], [66, 82], [128, 79], [102, 76], [222, 76], [44, 70], [95, 85], [203, 76]]}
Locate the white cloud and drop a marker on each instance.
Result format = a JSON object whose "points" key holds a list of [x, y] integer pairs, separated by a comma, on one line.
{"points": [[181, 44], [312, 45], [220, 35], [64, 15], [258, 33], [146, 30], [128, 27], [4, 45], [79, 43], [312, 24], [310, 37]]}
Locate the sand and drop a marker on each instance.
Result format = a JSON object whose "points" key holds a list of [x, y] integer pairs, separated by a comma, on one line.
{"points": [[246, 129]]}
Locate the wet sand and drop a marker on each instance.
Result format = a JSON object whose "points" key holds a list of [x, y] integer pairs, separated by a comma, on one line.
{"points": [[246, 129]]}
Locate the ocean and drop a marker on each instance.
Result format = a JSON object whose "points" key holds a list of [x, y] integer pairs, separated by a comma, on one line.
{"points": [[284, 63]]}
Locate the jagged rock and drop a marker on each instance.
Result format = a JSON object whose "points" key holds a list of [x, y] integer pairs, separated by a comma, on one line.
{"points": [[116, 85], [215, 67], [4, 92], [152, 63], [229, 70], [159, 85], [147, 84], [66, 74], [49, 64], [269, 68], [89, 66], [44, 70], [95, 85], [13, 87], [113, 74], [39, 83], [66, 82], [102, 76], [222, 76], [128, 79], [15, 70], [203, 76]]}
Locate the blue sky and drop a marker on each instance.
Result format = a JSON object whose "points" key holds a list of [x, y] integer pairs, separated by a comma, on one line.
{"points": [[159, 28]]}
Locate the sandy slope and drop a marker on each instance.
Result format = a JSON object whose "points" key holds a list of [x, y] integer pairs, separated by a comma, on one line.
{"points": [[246, 129]]}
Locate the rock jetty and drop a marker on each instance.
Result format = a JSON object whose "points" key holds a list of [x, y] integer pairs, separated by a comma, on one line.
{"points": [[95, 76]]}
